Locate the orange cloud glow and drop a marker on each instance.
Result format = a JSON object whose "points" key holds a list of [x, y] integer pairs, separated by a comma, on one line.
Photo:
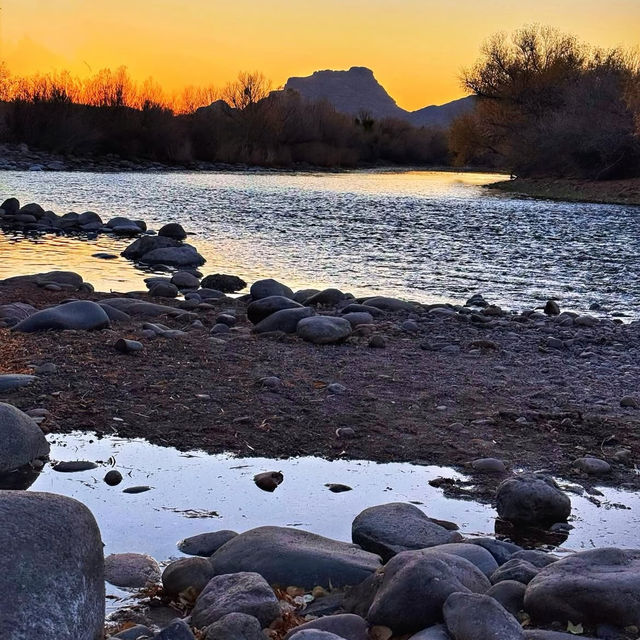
{"points": [[416, 48]]}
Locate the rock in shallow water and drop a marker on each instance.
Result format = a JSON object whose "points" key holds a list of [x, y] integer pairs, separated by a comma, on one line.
{"points": [[532, 499], [79, 315], [288, 556], [187, 573], [205, 544], [53, 583], [21, 439]]}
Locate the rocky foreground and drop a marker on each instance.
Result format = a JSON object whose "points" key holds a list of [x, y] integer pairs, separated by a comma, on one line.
{"points": [[280, 373]]}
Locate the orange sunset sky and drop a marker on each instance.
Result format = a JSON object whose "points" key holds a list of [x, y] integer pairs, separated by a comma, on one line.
{"points": [[416, 48]]}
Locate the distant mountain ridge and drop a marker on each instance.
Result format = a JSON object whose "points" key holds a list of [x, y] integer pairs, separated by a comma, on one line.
{"points": [[357, 90]]}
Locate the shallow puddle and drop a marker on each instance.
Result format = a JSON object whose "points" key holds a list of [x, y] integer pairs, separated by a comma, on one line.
{"points": [[196, 492]]}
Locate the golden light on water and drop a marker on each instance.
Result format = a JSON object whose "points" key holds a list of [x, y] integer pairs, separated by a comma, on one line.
{"points": [[416, 48]]}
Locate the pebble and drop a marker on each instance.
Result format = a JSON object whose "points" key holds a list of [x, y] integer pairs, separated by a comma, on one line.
{"points": [[46, 368], [271, 382], [345, 432], [113, 477], [338, 488], [220, 328], [336, 388], [593, 466], [127, 346], [74, 466], [489, 465], [269, 480], [377, 342], [629, 402], [137, 489]]}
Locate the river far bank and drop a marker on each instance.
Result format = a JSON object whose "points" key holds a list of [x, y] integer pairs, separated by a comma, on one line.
{"points": [[624, 192]]}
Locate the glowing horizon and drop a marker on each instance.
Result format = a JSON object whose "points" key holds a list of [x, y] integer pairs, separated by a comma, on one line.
{"points": [[416, 48]]}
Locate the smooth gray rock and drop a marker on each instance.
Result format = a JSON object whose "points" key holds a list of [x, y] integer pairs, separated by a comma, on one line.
{"points": [[14, 312], [243, 592], [326, 297], [164, 290], [488, 465], [358, 317], [475, 554], [592, 466], [115, 315], [183, 256], [235, 626], [177, 630], [131, 570], [315, 634], [324, 329], [302, 294], [345, 625], [264, 307], [78, 315], [21, 439], [543, 634], [388, 529], [435, 632], [415, 586], [515, 569], [185, 280], [51, 568], [269, 287], [510, 594], [134, 633], [285, 320], [532, 499], [187, 573], [499, 549], [389, 304], [137, 307], [13, 381], [473, 616], [205, 544], [73, 466], [599, 586], [354, 307], [536, 557], [287, 556]]}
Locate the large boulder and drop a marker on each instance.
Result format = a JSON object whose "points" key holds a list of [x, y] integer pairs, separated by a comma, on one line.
{"points": [[21, 439], [51, 568], [532, 499], [78, 315], [599, 586], [269, 287], [288, 556], [388, 529], [324, 329], [143, 245], [223, 282], [263, 308], [243, 592], [473, 616], [184, 256], [10, 206], [285, 320], [415, 586]]}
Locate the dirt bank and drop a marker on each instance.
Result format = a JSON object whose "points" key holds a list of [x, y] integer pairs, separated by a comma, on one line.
{"points": [[604, 192]]}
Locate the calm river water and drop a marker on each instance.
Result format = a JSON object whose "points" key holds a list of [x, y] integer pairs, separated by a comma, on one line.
{"points": [[427, 236]]}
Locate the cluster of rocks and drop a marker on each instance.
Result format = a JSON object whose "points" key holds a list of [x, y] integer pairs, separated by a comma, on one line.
{"points": [[404, 574]]}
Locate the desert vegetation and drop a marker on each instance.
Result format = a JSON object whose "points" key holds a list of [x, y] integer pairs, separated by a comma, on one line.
{"points": [[549, 105], [243, 122]]}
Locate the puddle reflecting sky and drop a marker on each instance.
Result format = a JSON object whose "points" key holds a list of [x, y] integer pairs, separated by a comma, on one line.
{"points": [[195, 484]]}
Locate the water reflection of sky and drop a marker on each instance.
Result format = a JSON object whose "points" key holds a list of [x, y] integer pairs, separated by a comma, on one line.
{"points": [[192, 484], [428, 236]]}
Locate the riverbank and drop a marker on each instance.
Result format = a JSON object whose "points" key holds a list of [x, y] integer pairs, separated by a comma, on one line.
{"points": [[431, 384], [625, 192]]}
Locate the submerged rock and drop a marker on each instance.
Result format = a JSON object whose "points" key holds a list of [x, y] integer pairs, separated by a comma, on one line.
{"points": [[205, 544], [288, 556]]}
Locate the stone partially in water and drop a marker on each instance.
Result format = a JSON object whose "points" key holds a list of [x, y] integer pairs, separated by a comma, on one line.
{"points": [[532, 499], [269, 480], [21, 439], [73, 466], [187, 573], [51, 568], [78, 315], [287, 556], [388, 529]]}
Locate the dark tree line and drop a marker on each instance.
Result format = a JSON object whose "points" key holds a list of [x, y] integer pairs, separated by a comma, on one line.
{"points": [[547, 105]]}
